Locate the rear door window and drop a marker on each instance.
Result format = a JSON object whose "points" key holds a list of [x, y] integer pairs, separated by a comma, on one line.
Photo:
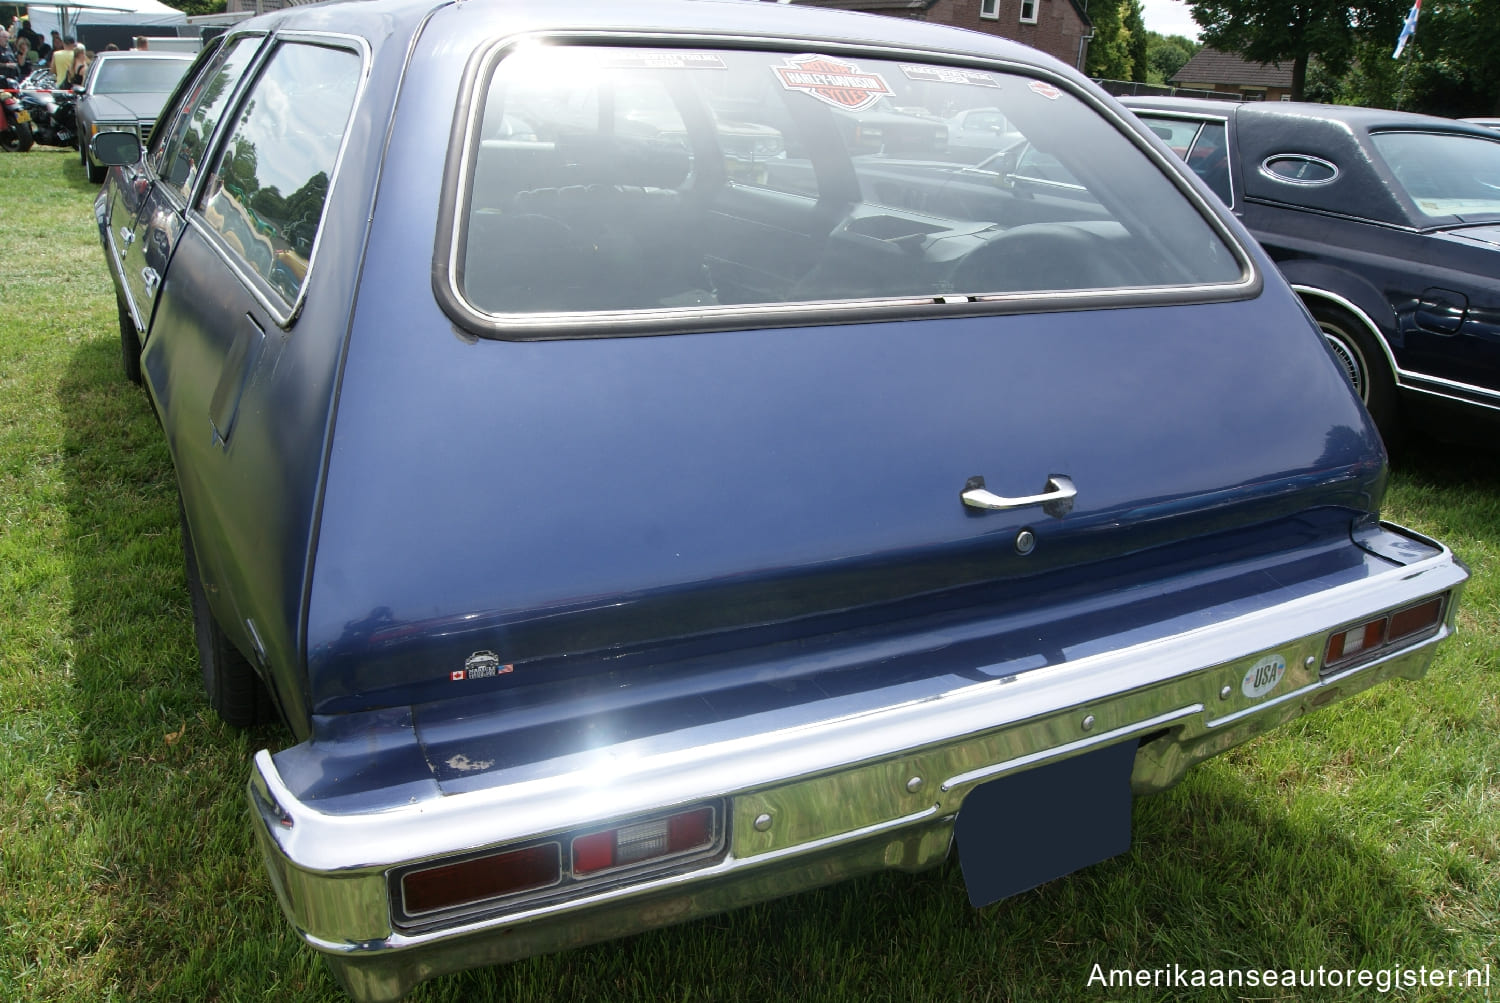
{"points": [[177, 151], [264, 198], [602, 181]]}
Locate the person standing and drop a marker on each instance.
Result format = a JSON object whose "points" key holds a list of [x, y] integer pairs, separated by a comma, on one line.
{"points": [[80, 68], [62, 59], [10, 62]]}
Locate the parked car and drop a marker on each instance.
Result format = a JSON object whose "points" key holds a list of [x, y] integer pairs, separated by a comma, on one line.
{"points": [[124, 92], [1387, 224], [625, 536], [978, 133]]}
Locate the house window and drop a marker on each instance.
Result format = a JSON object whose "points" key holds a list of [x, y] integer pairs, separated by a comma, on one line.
{"points": [[1028, 11], [989, 9]]}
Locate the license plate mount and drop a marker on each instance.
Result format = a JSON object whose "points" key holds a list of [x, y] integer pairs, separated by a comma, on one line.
{"points": [[1027, 828]]}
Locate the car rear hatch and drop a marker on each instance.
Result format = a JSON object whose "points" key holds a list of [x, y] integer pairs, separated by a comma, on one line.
{"points": [[532, 511]]}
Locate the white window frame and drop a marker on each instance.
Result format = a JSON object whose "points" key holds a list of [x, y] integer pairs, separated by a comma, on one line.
{"points": [[989, 9], [1029, 5]]}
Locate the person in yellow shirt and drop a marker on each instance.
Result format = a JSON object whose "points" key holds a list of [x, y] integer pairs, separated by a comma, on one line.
{"points": [[62, 60]]}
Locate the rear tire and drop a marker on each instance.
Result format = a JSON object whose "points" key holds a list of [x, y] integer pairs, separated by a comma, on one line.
{"points": [[235, 691], [20, 139], [96, 172], [130, 344], [1362, 360]]}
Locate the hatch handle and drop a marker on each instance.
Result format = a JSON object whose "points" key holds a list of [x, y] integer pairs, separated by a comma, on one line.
{"points": [[1056, 498]]}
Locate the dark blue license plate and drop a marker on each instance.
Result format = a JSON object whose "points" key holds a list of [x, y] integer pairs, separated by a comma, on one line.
{"points": [[1027, 828]]}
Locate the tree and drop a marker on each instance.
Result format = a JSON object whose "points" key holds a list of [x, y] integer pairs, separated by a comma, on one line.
{"points": [[1139, 40], [1166, 54], [1109, 52], [1277, 31]]}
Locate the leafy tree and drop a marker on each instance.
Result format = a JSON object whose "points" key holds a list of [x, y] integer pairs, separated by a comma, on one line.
{"points": [[1166, 54], [1109, 52], [1139, 40], [1277, 31]]}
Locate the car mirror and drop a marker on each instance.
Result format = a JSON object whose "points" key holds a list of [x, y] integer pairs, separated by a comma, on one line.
{"points": [[116, 148]]}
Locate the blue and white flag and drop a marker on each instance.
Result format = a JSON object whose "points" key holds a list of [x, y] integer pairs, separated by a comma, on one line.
{"points": [[1408, 29]]}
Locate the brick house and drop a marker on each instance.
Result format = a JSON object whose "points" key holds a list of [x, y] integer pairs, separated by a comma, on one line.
{"points": [[1059, 28], [1228, 73]]}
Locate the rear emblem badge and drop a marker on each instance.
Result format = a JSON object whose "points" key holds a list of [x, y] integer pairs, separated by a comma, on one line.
{"points": [[1263, 676], [481, 665]]}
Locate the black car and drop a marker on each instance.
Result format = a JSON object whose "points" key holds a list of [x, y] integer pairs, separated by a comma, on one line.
{"points": [[1386, 223]]}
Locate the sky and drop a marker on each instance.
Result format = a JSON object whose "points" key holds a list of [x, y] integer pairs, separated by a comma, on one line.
{"points": [[1169, 17]]}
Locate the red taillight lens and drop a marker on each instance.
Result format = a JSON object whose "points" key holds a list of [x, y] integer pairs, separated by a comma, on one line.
{"points": [[1384, 632], [642, 841], [1416, 619], [482, 878]]}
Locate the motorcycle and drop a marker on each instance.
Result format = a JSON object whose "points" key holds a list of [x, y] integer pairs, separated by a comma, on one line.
{"points": [[15, 122], [53, 122]]}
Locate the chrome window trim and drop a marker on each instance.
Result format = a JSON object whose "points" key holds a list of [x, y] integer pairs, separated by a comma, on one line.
{"points": [[1265, 170], [282, 313], [452, 216]]}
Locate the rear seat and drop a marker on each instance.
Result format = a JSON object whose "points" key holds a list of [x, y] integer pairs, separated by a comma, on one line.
{"points": [[598, 244]]}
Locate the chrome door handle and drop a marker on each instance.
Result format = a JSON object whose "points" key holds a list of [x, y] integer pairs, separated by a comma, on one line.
{"points": [[1056, 498], [127, 236], [150, 280]]}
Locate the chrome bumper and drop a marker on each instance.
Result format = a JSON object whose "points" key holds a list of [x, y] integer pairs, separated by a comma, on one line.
{"points": [[834, 798]]}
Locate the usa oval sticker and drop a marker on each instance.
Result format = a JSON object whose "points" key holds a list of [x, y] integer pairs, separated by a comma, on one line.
{"points": [[1263, 676]]}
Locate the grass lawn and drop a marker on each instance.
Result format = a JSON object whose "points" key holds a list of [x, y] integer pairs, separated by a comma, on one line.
{"points": [[1366, 836]]}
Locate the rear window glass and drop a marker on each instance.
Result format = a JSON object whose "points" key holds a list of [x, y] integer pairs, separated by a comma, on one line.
{"points": [[612, 179], [139, 75], [1445, 174]]}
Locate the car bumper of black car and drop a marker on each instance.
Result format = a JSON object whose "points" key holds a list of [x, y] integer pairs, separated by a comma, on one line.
{"points": [[804, 800]]}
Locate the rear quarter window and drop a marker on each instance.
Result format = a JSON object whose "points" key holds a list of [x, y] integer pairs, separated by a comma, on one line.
{"points": [[601, 181]]}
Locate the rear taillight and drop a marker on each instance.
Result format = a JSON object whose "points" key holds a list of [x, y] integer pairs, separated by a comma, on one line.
{"points": [[469, 882], [446, 891], [640, 842], [1381, 634]]}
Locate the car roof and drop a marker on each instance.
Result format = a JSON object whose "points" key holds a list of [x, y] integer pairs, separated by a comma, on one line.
{"points": [[1190, 106], [779, 23], [1293, 112], [143, 54]]}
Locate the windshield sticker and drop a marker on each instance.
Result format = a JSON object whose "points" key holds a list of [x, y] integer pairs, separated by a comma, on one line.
{"points": [[948, 75], [1263, 676], [667, 61], [1046, 90], [832, 81]]}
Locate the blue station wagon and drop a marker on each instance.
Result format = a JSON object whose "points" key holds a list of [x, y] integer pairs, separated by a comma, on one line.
{"points": [[642, 491]]}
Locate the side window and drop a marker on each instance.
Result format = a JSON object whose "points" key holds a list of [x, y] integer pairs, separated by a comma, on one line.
{"points": [[266, 193], [177, 152], [1209, 159]]}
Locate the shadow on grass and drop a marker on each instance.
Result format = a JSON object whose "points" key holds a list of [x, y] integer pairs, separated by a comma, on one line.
{"points": [[181, 909]]}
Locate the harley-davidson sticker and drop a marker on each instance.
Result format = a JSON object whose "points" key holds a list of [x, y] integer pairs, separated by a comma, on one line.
{"points": [[832, 81], [1045, 89]]}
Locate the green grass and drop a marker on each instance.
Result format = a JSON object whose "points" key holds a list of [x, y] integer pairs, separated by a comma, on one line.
{"points": [[1365, 836]]}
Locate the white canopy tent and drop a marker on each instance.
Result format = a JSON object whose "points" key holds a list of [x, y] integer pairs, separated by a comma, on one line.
{"points": [[67, 17]]}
